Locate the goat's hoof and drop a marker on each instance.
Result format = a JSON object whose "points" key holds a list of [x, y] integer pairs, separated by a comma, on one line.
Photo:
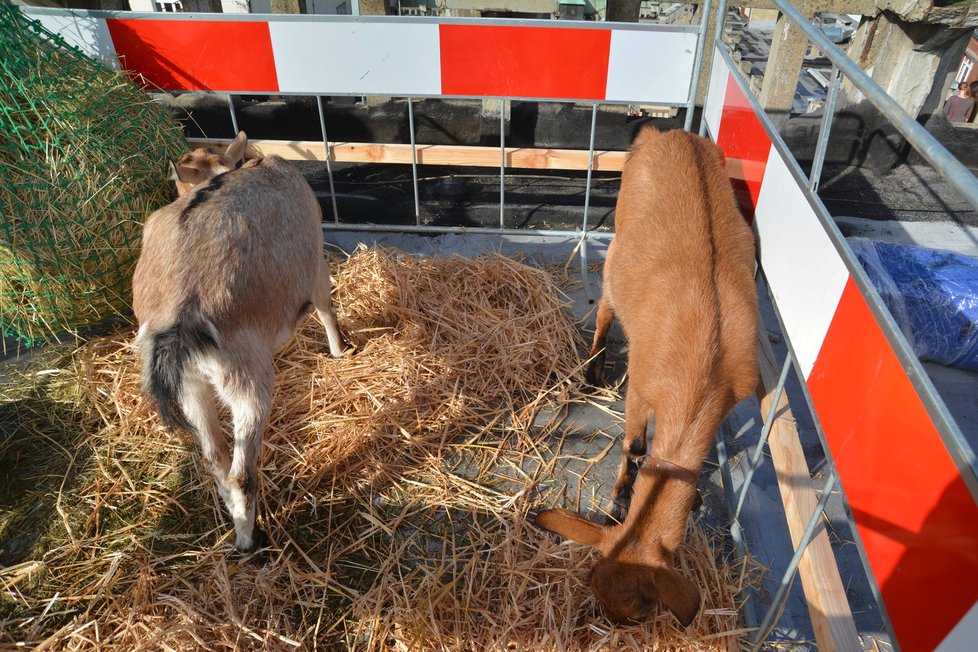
{"points": [[594, 374], [594, 378], [259, 540], [619, 510]]}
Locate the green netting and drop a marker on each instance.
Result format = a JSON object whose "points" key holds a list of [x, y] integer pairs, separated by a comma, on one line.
{"points": [[84, 157]]}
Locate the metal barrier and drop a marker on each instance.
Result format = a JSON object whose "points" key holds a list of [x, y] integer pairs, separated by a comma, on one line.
{"points": [[908, 475], [414, 58]]}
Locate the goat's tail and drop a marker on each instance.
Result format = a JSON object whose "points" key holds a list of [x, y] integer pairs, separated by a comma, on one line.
{"points": [[165, 360]]}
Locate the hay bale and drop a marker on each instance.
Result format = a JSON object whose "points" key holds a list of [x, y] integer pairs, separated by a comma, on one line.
{"points": [[83, 154], [397, 484]]}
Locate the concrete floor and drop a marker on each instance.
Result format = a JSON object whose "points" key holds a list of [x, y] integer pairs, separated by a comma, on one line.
{"points": [[594, 431]]}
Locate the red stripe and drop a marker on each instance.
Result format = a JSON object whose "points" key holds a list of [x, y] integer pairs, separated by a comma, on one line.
{"points": [[743, 137], [195, 55], [544, 62], [917, 519]]}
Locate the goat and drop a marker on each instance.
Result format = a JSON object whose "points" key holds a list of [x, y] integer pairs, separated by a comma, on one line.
{"points": [[226, 272], [679, 277]]}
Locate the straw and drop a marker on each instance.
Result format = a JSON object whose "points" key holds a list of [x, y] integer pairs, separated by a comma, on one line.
{"points": [[398, 485]]}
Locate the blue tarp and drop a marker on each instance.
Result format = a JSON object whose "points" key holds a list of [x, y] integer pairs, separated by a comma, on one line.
{"points": [[932, 294]]}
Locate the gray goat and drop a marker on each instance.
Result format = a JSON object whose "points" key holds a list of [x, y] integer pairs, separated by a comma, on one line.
{"points": [[225, 274]]}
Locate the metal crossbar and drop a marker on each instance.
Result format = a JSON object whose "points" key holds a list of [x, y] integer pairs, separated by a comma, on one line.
{"points": [[414, 163], [736, 531], [234, 118], [824, 128], [698, 64], [329, 167], [502, 164], [789, 574], [762, 442]]}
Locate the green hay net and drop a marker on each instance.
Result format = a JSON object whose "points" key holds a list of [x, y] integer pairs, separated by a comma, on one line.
{"points": [[83, 159]]}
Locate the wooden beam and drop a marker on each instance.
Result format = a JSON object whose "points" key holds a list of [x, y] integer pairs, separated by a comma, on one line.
{"points": [[516, 157], [458, 155], [824, 591]]}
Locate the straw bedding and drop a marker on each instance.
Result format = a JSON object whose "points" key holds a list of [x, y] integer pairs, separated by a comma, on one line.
{"points": [[398, 486]]}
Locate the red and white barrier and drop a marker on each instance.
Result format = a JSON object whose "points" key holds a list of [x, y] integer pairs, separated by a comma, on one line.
{"points": [[916, 517], [319, 55]]}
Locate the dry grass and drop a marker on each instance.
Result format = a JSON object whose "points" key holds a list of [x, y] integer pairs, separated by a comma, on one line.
{"points": [[398, 485]]}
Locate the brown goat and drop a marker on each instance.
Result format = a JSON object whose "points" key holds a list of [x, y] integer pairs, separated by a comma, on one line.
{"points": [[679, 276], [225, 274]]}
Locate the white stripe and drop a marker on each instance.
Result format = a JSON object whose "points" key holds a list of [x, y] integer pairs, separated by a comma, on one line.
{"points": [[802, 267], [650, 66], [713, 112], [357, 58], [90, 35], [964, 636]]}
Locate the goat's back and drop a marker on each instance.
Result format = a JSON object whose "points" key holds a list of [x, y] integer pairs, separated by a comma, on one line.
{"points": [[680, 273], [244, 248]]}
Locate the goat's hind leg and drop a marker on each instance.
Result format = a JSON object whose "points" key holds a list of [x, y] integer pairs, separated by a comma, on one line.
{"points": [[594, 375], [199, 405], [327, 316], [247, 389]]}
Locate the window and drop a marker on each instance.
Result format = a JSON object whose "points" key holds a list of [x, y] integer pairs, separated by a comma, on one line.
{"points": [[964, 70]]}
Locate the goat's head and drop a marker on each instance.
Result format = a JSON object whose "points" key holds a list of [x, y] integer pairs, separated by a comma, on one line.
{"points": [[202, 165], [635, 572]]}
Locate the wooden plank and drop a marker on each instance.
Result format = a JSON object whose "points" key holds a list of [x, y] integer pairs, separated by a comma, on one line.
{"points": [[458, 155], [824, 591], [516, 157]]}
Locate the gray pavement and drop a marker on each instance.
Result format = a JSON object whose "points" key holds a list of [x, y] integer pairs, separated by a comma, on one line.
{"points": [[591, 432]]}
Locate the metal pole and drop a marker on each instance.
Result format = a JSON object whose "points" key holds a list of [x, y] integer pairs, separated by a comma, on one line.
{"points": [[587, 204], [736, 532], [697, 64], [502, 164], [590, 164], [329, 169], [234, 118], [957, 174], [407, 228], [828, 114], [789, 573], [717, 33], [765, 431], [414, 164]]}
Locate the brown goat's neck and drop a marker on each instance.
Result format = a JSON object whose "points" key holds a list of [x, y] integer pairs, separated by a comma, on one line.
{"points": [[672, 470], [687, 442], [656, 523]]}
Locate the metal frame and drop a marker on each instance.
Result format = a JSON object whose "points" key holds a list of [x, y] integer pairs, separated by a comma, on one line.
{"points": [[822, 214], [962, 179], [417, 20], [349, 18], [955, 441]]}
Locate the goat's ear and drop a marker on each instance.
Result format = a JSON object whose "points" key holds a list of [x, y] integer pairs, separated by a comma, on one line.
{"points": [[192, 168], [573, 526], [173, 172], [677, 593], [236, 150]]}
